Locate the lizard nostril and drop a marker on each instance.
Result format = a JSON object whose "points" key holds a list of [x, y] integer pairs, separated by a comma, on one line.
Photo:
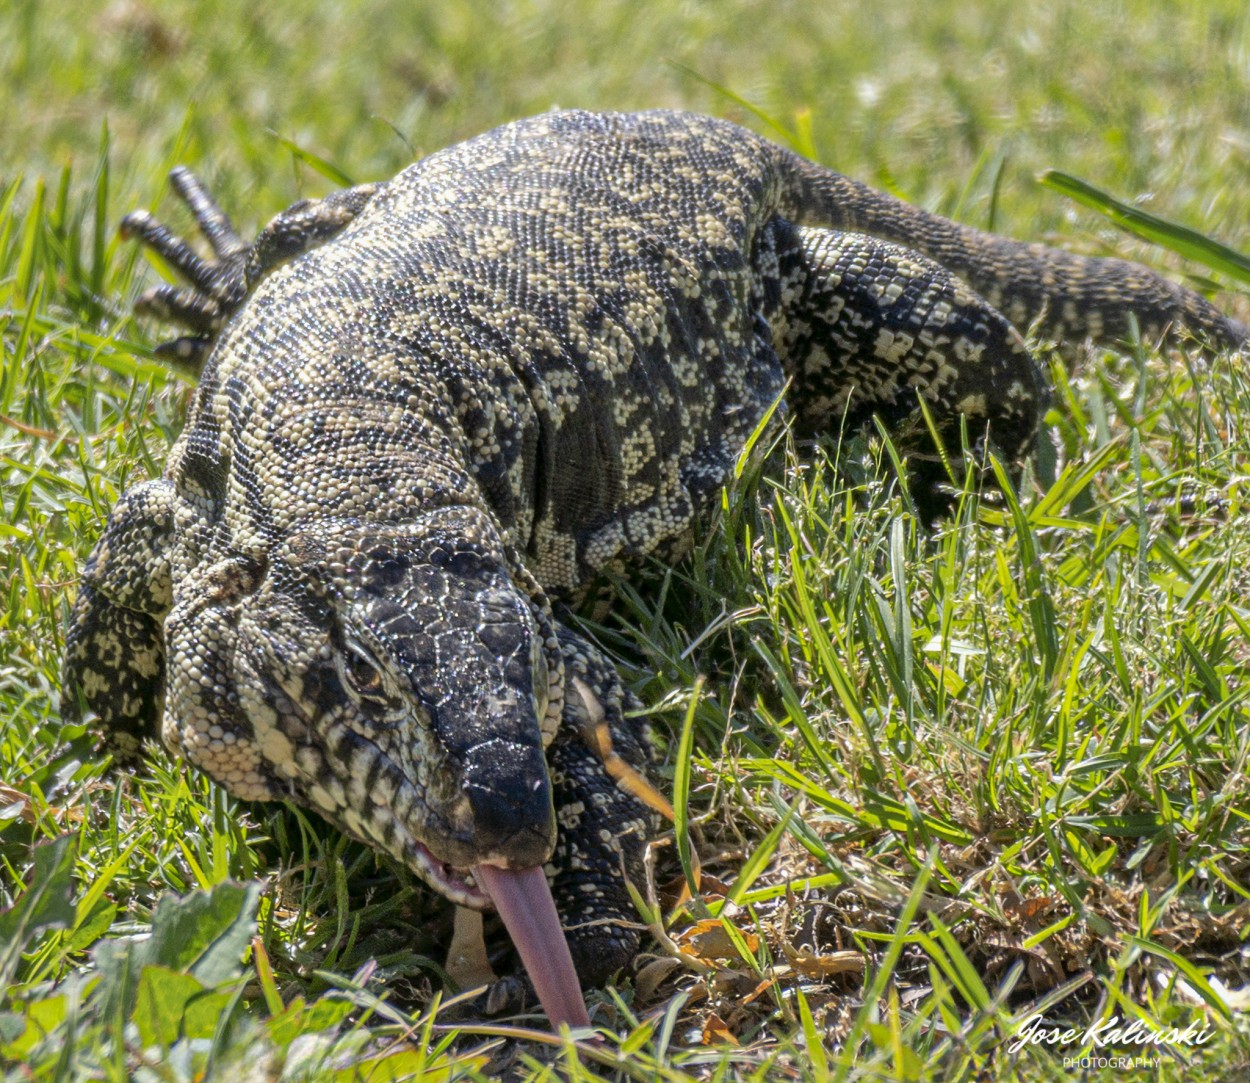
{"points": [[510, 797]]}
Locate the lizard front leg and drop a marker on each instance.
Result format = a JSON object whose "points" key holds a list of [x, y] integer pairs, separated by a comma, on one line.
{"points": [[114, 647]]}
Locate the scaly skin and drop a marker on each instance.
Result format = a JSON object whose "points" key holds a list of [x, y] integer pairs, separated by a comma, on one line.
{"points": [[434, 406]]}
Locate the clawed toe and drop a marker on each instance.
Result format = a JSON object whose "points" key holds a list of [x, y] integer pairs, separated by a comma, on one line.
{"points": [[189, 351], [212, 221], [176, 304], [215, 288], [159, 238]]}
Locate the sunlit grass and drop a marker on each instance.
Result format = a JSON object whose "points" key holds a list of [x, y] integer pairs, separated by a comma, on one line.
{"points": [[939, 781]]}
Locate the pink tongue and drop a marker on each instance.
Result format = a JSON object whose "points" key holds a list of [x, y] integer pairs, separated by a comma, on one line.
{"points": [[524, 901]]}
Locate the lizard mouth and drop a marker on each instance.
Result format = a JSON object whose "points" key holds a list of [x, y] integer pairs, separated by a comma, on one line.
{"points": [[449, 881], [524, 902]]}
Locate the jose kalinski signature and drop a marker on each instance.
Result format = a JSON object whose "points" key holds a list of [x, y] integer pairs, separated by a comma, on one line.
{"points": [[1113, 1032]]}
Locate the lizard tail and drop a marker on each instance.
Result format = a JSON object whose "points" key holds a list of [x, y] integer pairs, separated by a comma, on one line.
{"points": [[1055, 294]]}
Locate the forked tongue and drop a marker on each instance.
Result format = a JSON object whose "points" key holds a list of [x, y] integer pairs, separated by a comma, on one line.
{"points": [[524, 901]]}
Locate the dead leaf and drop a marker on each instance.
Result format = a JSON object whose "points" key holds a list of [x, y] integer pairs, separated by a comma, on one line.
{"points": [[598, 737], [673, 893], [715, 1032], [653, 975], [15, 805], [809, 964], [707, 939], [760, 989], [1029, 912]]}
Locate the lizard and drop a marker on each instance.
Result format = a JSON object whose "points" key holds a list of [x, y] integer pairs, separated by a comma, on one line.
{"points": [[433, 409]]}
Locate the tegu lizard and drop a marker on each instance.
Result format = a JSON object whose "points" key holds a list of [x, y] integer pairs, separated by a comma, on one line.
{"points": [[432, 409]]}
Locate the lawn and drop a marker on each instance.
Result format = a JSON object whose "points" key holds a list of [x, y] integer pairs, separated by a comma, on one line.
{"points": [[941, 782]]}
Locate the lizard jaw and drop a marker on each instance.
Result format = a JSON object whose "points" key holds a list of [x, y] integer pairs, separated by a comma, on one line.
{"points": [[446, 879]]}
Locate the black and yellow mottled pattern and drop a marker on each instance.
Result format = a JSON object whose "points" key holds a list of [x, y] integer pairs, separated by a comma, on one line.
{"points": [[437, 405]]}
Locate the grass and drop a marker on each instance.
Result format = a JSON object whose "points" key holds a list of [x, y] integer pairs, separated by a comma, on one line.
{"points": [[939, 783]]}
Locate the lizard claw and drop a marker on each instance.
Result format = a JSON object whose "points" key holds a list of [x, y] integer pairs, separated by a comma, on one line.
{"points": [[216, 288]]}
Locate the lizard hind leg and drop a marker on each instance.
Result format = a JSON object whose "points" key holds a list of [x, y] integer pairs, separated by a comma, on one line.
{"points": [[872, 328], [216, 288]]}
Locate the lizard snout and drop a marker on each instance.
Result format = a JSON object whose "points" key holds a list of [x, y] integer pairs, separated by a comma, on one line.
{"points": [[509, 794]]}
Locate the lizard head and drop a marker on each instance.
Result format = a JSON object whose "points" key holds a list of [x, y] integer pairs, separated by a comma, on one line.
{"points": [[400, 678]]}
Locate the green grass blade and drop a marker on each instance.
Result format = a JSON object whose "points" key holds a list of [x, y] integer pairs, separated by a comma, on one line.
{"points": [[1176, 238], [322, 166], [681, 789]]}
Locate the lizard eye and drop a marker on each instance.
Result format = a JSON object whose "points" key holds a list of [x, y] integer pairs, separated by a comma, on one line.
{"points": [[363, 675]]}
